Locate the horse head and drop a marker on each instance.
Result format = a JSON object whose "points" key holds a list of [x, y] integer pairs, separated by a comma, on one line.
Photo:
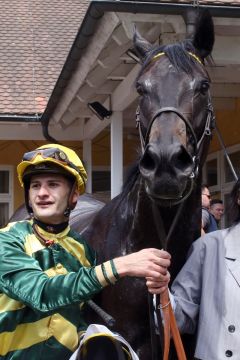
{"points": [[175, 114]]}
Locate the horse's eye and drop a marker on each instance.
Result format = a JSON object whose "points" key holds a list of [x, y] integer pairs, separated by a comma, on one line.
{"points": [[204, 87], [140, 89]]}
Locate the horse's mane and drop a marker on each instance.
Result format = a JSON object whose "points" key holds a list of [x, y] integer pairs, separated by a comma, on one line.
{"points": [[131, 177], [127, 197], [178, 55]]}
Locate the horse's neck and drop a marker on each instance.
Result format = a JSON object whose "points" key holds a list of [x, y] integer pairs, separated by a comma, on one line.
{"points": [[151, 230], [150, 223], [149, 217]]}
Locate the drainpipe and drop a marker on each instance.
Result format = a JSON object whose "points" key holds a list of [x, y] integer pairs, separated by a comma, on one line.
{"points": [[20, 118], [190, 17], [95, 12]]}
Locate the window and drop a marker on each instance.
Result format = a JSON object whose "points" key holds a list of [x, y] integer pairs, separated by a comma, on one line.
{"points": [[211, 171], [101, 181], [6, 194], [235, 160]]}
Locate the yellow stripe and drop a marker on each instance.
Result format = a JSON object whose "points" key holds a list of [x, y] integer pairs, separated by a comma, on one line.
{"points": [[195, 57], [158, 55], [75, 249], [8, 304], [190, 53], [27, 335], [59, 269], [100, 276], [6, 228], [64, 331], [32, 244], [110, 275]]}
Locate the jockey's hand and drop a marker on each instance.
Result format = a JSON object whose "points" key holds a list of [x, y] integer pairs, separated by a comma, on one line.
{"points": [[148, 263]]}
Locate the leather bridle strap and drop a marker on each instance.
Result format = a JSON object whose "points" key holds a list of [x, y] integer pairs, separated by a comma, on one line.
{"points": [[170, 325], [171, 109], [209, 125]]}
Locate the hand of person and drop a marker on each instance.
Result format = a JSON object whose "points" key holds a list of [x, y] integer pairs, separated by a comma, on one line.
{"points": [[149, 263], [158, 286]]}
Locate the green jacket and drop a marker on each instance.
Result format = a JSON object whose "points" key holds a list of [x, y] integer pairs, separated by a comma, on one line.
{"points": [[42, 291]]}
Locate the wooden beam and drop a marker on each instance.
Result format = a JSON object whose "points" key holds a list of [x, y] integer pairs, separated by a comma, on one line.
{"points": [[226, 50], [106, 26], [225, 90]]}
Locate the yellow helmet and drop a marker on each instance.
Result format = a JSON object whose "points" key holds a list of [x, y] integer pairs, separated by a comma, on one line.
{"points": [[59, 157]]}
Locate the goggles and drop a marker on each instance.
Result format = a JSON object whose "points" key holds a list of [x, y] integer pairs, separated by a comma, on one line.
{"points": [[53, 153]]}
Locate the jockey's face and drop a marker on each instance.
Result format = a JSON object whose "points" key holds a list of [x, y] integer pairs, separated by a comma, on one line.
{"points": [[48, 197]]}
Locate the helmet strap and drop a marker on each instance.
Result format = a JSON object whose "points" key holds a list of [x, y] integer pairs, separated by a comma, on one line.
{"points": [[71, 203], [26, 196]]}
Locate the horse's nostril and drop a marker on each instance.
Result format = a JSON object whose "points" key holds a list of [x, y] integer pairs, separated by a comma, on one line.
{"points": [[147, 162], [182, 160]]}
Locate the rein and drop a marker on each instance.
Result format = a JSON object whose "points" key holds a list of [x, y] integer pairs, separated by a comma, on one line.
{"points": [[163, 301]]}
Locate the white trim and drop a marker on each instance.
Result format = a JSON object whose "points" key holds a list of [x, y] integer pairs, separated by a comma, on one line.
{"points": [[116, 153], [8, 198]]}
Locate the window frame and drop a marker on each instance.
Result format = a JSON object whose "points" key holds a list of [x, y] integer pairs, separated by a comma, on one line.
{"points": [[8, 197]]}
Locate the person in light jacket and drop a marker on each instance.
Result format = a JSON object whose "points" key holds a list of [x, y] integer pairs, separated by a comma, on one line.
{"points": [[206, 293]]}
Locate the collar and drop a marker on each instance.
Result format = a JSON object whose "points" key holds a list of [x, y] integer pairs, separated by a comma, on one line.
{"points": [[51, 228], [232, 242]]}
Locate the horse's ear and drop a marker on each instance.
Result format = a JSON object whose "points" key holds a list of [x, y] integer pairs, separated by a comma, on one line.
{"points": [[141, 45], [203, 38]]}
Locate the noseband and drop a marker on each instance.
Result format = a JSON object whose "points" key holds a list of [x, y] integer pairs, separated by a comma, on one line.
{"points": [[209, 125]]}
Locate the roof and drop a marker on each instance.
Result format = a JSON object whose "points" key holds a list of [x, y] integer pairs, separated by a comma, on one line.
{"points": [[36, 37]]}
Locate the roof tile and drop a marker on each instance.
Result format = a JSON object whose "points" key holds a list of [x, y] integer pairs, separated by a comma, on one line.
{"points": [[36, 37]]}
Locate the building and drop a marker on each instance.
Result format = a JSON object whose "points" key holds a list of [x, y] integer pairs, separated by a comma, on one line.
{"points": [[57, 57]]}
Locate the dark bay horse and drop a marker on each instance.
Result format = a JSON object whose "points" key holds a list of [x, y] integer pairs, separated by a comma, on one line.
{"points": [[175, 120]]}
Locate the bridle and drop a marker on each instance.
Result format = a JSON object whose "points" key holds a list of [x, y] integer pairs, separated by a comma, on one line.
{"points": [[170, 325], [207, 132]]}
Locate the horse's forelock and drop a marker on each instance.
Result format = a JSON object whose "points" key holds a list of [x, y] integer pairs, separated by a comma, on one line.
{"points": [[178, 55]]}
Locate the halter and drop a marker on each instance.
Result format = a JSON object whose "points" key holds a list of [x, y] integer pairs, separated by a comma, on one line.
{"points": [[209, 125]]}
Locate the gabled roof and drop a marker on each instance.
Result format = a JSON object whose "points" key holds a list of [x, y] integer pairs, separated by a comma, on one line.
{"points": [[35, 38], [100, 70]]}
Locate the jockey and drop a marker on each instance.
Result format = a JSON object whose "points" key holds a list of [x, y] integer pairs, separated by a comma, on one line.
{"points": [[48, 271]]}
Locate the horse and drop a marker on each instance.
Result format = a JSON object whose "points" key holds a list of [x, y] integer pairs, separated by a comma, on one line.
{"points": [[175, 119]]}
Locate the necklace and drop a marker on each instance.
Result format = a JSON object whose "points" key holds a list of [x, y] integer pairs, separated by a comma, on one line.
{"points": [[42, 239]]}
